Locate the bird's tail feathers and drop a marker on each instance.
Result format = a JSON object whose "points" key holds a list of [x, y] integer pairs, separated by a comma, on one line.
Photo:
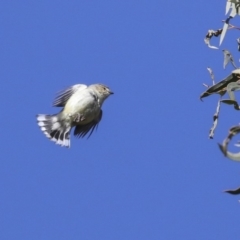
{"points": [[55, 129]]}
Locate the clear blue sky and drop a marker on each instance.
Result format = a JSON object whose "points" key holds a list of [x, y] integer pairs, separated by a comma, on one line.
{"points": [[149, 172]]}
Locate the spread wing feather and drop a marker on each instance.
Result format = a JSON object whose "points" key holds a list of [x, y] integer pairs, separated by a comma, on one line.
{"points": [[64, 95]]}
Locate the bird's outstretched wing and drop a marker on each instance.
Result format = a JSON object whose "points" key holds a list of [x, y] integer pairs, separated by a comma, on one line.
{"points": [[64, 95], [81, 131]]}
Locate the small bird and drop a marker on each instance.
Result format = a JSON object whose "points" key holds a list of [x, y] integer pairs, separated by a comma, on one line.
{"points": [[81, 109], [233, 191], [228, 58]]}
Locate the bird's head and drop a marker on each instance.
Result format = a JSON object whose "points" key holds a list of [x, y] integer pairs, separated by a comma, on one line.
{"points": [[102, 91]]}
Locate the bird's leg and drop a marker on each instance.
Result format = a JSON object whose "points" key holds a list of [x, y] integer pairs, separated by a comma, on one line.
{"points": [[76, 117]]}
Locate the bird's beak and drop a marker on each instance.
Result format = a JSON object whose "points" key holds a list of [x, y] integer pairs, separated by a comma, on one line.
{"points": [[111, 92]]}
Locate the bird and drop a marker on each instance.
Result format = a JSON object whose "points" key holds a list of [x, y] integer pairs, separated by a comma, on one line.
{"points": [[233, 191], [81, 110], [228, 57]]}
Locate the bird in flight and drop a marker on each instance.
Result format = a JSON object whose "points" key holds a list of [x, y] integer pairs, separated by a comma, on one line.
{"points": [[81, 110], [233, 191]]}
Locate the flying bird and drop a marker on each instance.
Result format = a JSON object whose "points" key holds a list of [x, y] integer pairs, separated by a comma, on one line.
{"points": [[81, 109], [233, 191], [228, 58]]}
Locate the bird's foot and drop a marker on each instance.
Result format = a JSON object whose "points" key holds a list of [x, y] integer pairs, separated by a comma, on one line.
{"points": [[78, 118]]}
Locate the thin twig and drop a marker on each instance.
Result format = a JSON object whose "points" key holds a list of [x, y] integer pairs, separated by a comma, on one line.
{"points": [[231, 26]]}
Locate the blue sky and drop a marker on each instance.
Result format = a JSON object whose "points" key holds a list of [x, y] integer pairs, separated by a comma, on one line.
{"points": [[150, 171]]}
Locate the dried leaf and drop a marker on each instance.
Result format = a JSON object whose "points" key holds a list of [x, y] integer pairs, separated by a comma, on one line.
{"points": [[209, 35], [211, 74], [228, 6], [228, 58], [215, 120], [233, 156], [221, 87], [224, 30], [238, 42], [234, 86]]}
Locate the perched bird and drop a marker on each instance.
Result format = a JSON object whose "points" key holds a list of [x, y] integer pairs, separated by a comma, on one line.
{"points": [[81, 109], [228, 58]]}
